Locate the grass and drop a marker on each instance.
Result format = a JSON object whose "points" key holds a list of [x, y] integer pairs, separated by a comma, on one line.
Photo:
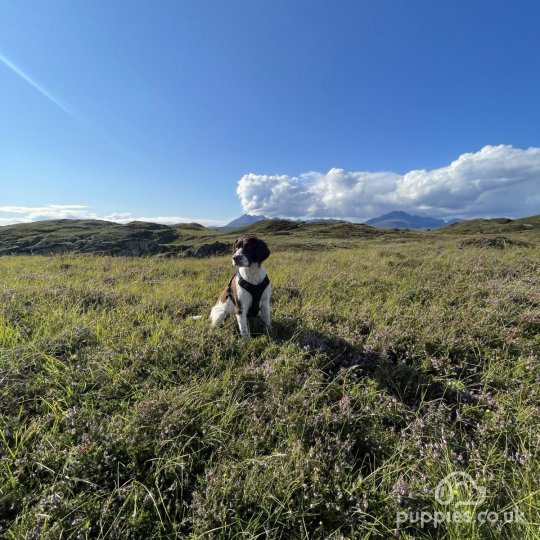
{"points": [[393, 364]]}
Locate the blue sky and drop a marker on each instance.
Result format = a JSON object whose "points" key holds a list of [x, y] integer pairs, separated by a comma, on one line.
{"points": [[203, 109]]}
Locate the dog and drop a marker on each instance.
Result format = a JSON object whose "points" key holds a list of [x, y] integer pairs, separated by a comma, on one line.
{"points": [[248, 292]]}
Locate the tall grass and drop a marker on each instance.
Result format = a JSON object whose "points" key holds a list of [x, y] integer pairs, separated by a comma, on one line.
{"points": [[392, 365]]}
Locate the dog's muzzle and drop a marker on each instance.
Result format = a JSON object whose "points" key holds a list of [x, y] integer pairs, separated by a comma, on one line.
{"points": [[240, 260]]}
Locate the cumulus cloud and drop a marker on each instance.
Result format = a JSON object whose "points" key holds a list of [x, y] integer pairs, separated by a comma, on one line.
{"points": [[27, 214], [497, 180]]}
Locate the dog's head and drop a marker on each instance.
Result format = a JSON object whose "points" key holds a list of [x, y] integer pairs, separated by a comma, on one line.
{"points": [[248, 250]]}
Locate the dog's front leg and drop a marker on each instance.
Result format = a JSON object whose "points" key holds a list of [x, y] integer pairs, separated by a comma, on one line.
{"points": [[243, 325], [266, 316]]}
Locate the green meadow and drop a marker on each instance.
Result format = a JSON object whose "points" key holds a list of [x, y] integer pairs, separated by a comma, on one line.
{"points": [[395, 361]]}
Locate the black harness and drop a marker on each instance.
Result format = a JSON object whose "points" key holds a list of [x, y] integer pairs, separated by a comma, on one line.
{"points": [[256, 292]]}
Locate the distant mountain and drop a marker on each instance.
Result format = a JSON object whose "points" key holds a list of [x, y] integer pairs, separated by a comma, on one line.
{"points": [[402, 220], [242, 221]]}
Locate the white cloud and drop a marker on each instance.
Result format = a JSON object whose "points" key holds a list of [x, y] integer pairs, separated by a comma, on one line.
{"points": [[496, 181], [27, 214]]}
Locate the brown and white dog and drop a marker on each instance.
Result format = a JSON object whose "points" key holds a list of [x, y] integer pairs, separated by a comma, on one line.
{"points": [[248, 292]]}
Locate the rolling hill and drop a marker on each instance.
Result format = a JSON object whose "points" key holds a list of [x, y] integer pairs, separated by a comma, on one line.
{"points": [[192, 239], [494, 226]]}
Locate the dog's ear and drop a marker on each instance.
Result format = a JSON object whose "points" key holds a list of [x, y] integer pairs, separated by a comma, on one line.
{"points": [[261, 252]]}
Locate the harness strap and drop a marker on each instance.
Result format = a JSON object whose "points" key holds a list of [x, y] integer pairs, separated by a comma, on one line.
{"points": [[229, 291], [256, 292]]}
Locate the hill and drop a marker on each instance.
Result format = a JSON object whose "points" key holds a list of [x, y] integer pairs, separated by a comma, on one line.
{"points": [[192, 239], [529, 224], [85, 236]]}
